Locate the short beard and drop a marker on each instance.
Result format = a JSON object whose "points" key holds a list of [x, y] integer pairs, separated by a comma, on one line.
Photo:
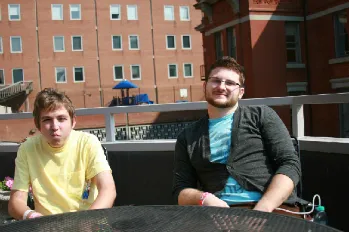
{"points": [[228, 104]]}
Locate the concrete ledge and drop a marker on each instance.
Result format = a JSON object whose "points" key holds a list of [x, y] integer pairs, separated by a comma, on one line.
{"points": [[317, 144], [141, 145], [325, 144]]}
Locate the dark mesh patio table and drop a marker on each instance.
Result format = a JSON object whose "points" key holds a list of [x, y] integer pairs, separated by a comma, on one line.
{"points": [[166, 218]]}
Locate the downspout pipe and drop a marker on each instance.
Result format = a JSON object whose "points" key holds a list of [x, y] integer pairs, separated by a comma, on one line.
{"points": [[101, 98], [152, 40], [306, 44]]}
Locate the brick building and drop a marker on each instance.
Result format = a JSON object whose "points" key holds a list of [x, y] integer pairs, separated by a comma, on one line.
{"points": [[85, 47], [288, 47]]}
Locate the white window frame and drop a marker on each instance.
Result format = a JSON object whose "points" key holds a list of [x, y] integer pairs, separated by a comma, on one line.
{"points": [[11, 37], [129, 43], [140, 72], [61, 16], [172, 7], [13, 75], [297, 49], [71, 12], [180, 15], [110, 11], [65, 74], [175, 45], [54, 45], [3, 73], [1, 46], [83, 74], [182, 37], [72, 44], [168, 71], [112, 43], [123, 72], [136, 14], [19, 12], [192, 70]]}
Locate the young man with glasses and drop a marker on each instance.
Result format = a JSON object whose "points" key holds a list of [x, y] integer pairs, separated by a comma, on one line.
{"points": [[236, 155]]}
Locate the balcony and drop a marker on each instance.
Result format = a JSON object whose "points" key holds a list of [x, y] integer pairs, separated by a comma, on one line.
{"points": [[148, 164], [14, 95]]}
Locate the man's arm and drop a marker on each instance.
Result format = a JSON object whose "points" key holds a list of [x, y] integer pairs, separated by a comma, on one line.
{"points": [[17, 205], [286, 162], [106, 190], [185, 179], [190, 196], [277, 192]]}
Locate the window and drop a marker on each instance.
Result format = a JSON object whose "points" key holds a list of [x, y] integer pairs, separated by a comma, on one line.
{"points": [[293, 54], [1, 48], [184, 13], [79, 74], [172, 71], [75, 12], [58, 44], [57, 11], [118, 72], [115, 13], [186, 43], [117, 42], [61, 76], [133, 42], [188, 70], [2, 77], [169, 13], [14, 12], [341, 34], [132, 12], [16, 44], [76, 43], [218, 45], [231, 42], [17, 75], [171, 42], [135, 72]]}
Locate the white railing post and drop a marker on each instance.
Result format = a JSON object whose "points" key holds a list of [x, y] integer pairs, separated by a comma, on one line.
{"points": [[297, 120], [109, 127]]}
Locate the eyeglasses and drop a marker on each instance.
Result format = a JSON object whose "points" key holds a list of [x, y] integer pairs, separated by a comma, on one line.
{"points": [[228, 83]]}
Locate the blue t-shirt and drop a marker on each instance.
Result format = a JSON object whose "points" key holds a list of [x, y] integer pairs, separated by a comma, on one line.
{"points": [[220, 132]]}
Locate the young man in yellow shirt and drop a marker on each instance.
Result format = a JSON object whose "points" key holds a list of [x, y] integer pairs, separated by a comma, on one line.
{"points": [[60, 164]]}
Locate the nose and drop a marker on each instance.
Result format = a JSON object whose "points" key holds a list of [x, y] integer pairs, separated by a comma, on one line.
{"points": [[55, 125], [221, 85]]}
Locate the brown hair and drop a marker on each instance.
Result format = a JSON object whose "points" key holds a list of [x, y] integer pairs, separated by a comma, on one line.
{"points": [[51, 99], [231, 64]]}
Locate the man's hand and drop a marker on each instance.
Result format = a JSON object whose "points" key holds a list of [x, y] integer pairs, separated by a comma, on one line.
{"points": [[212, 200]]}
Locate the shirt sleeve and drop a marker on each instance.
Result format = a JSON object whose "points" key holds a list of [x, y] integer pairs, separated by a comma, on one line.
{"points": [[184, 174], [97, 161], [22, 178], [279, 146]]}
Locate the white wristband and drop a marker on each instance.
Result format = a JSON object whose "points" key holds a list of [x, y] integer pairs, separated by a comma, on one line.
{"points": [[25, 215]]}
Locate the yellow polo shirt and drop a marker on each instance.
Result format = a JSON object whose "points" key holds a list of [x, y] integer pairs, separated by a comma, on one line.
{"points": [[59, 175]]}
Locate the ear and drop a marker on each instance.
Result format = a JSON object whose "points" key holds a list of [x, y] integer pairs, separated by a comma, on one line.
{"points": [[204, 86], [241, 92], [73, 122]]}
